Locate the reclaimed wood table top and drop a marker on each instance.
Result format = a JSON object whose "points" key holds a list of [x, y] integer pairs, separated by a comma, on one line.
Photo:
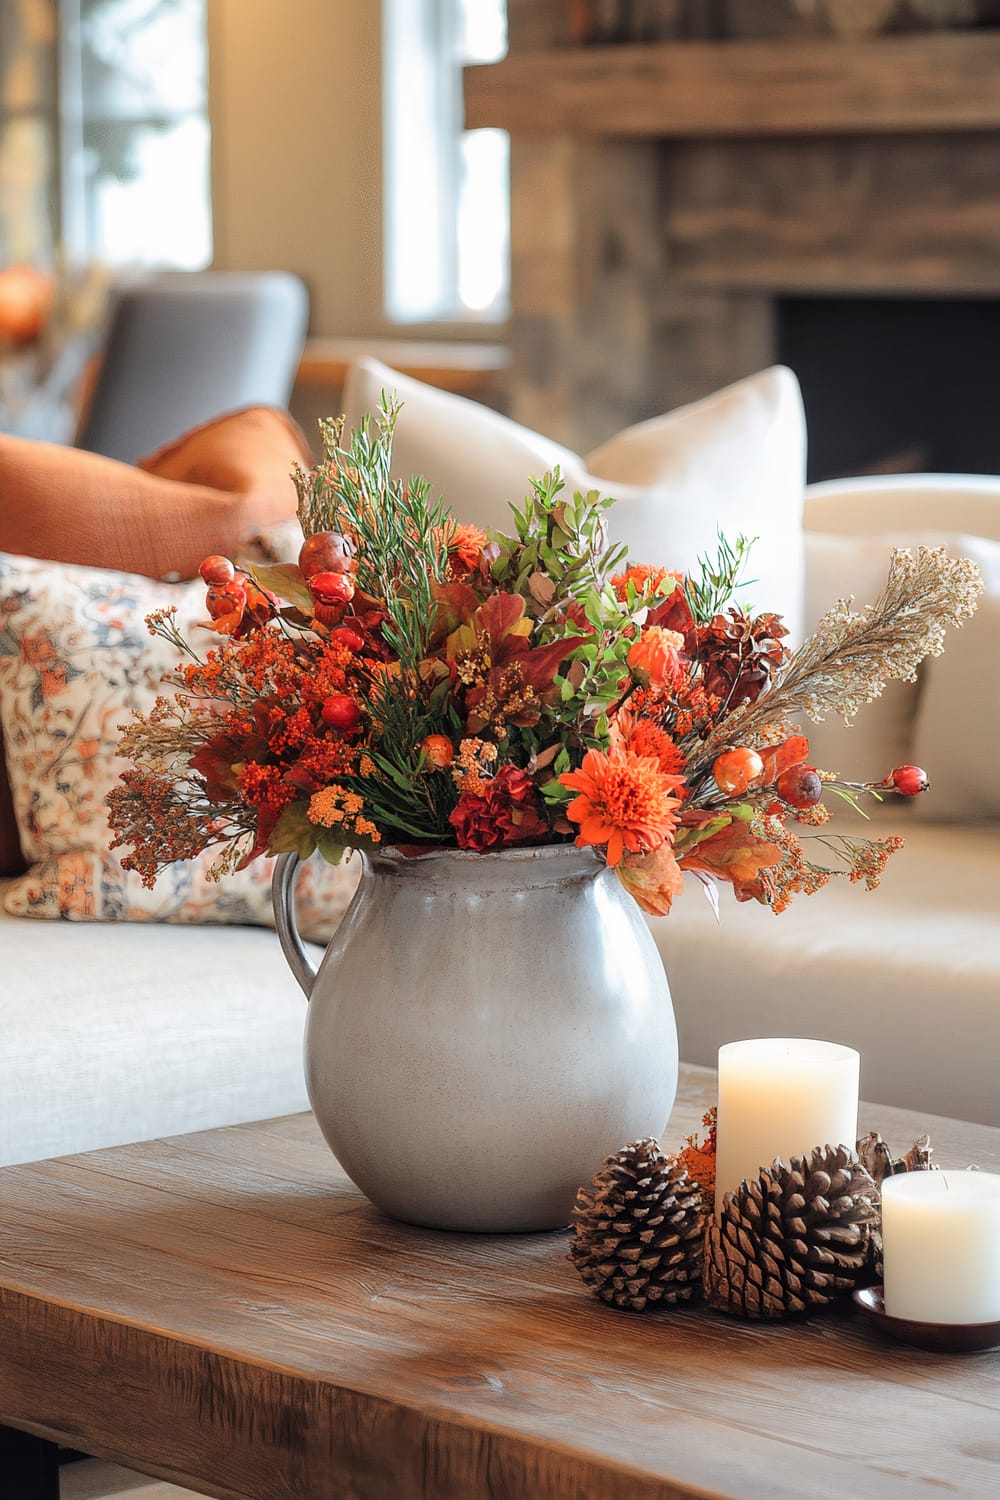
{"points": [[225, 1310]]}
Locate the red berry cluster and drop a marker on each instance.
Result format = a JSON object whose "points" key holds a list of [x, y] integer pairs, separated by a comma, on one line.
{"points": [[326, 561], [235, 602]]}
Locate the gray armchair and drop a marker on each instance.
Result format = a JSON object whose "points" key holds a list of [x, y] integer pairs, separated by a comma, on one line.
{"points": [[188, 345]]}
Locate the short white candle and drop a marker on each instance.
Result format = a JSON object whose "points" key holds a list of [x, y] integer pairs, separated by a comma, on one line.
{"points": [[781, 1096], [941, 1246]]}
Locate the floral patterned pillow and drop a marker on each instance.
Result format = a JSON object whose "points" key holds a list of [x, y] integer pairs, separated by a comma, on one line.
{"points": [[75, 659]]}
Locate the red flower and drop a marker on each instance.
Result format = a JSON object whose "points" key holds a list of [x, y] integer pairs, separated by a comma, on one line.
{"points": [[506, 813]]}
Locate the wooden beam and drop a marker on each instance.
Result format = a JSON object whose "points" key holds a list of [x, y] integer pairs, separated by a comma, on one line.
{"points": [[946, 81], [466, 369], [915, 214]]}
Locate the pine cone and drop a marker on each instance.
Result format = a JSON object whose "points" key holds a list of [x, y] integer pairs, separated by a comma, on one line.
{"points": [[640, 1229], [880, 1162], [738, 655], [794, 1237], [876, 1156]]}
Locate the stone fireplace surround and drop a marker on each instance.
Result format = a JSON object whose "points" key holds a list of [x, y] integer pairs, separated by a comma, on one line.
{"points": [[664, 197]]}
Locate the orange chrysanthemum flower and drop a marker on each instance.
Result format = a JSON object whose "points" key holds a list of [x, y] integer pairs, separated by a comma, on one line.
{"points": [[657, 654], [645, 738], [464, 543], [625, 802]]}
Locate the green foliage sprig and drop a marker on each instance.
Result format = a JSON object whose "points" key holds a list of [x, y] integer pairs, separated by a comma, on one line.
{"points": [[401, 551], [719, 578]]}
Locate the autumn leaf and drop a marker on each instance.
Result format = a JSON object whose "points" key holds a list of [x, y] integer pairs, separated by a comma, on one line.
{"points": [[652, 879], [216, 759], [539, 664], [734, 855], [456, 605], [285, 580], [293, 833], [777, 758]]}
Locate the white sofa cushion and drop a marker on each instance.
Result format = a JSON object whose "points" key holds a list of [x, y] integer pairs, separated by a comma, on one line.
{"points": [[957, 730], [905, 503], [851, 526], [908, 974], [733, 462], [116, 1033]]}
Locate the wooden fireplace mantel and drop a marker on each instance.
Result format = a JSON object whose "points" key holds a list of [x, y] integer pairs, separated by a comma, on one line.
{"points": [[931, 81], [665, 197]]}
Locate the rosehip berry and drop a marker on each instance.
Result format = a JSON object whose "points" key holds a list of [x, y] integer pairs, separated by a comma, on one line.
{"points": [[735, 769], [216, 569], [799, 786], [225, 598], [346, 637], [341, 712], [331, 588], [438, 749], [325, 552], [909, 781]]}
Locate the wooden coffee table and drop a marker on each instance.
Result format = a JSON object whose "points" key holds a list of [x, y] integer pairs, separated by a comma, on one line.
{"points": [[226, 1311]]}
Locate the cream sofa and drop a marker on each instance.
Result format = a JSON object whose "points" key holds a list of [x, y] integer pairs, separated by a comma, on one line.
{"points": [[119, 1033], [909, 974]]}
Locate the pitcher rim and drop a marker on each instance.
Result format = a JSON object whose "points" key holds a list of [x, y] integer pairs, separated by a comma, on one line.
{"points": [[527, 854]]}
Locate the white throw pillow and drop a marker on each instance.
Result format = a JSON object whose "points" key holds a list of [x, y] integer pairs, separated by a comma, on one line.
{"points": [[958, 723], [733, 462]]}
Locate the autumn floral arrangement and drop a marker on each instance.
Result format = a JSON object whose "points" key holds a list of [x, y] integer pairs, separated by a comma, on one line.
{"points": [[418, 683]]}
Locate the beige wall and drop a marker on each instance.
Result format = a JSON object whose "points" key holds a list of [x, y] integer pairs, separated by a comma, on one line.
{"points": [[296, 155]]}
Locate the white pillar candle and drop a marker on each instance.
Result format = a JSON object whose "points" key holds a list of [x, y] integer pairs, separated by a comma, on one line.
{"points": [[781, 1096], [941, 1234]]}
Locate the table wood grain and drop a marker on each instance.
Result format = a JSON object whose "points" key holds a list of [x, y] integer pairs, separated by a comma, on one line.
{"points": [[226, 1311]]}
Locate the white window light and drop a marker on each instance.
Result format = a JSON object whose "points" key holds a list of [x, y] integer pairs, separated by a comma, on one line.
{"points": [[134, 132], [446, 190]]}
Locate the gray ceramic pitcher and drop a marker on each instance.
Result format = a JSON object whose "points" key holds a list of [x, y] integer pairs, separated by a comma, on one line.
{"points": [[483, 1031]]}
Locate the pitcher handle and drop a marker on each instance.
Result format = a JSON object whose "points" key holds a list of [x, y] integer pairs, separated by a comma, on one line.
{"points": [[283, 901]]}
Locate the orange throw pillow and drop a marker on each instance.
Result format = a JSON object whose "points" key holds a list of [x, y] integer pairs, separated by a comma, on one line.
{"points": [[247, 452], [193, 498], [198, 495]]}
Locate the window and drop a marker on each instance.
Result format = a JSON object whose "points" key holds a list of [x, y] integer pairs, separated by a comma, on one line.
{"points": [[104, 131], [446, 190]]}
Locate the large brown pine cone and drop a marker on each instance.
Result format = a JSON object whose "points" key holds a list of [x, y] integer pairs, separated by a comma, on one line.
{"points": [[794, 1237], [640, 1230]]}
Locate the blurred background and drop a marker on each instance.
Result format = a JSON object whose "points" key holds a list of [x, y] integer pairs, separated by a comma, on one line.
{"points": [[584, 212]]}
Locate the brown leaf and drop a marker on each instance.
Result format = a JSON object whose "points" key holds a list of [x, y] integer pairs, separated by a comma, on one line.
{"points": [[541, 588], [545, 757]]}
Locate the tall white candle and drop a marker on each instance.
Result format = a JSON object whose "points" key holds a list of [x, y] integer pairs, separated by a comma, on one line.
{"points": [[941, 1235], [781, 1096]]}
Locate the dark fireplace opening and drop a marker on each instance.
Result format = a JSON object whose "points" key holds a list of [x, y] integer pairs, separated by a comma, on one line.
{"points": [[896, 384]]}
